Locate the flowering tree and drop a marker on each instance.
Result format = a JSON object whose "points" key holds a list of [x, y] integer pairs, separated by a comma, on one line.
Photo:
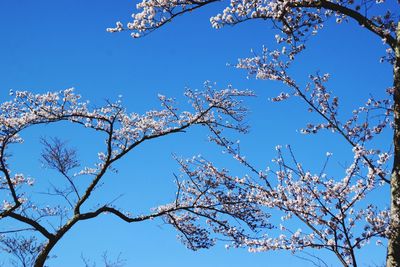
{"points": [[36, 229], [336, 213]]}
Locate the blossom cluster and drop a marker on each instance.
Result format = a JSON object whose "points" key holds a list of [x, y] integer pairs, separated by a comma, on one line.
{"points": [[296, 20], [123, 131], [333, 213], [210, 197], [362, 126]]}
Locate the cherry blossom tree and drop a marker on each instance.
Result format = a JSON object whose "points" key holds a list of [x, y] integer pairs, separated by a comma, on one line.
{"points": [[36, 228], [336, 212]]}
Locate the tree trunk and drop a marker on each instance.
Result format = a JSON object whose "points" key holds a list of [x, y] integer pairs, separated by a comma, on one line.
{"points": [[41, 259], [393, 254], [44, 253]]}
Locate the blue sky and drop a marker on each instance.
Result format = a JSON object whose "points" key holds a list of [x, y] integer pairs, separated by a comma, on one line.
{"points": [[52, 45]]}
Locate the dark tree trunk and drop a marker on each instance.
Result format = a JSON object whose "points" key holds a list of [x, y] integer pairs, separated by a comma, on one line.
{"points": [[43, 255], [393, 256]]}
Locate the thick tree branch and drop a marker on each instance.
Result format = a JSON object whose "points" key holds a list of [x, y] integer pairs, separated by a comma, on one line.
{"points": [[32, 223], [362, 20]]}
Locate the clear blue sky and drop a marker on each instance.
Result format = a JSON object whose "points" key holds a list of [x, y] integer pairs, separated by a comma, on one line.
{"points": [[51, 45]]}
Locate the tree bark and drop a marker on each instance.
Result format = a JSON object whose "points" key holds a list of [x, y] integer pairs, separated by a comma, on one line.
{"points": [[393, 254], [44, 253]]}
